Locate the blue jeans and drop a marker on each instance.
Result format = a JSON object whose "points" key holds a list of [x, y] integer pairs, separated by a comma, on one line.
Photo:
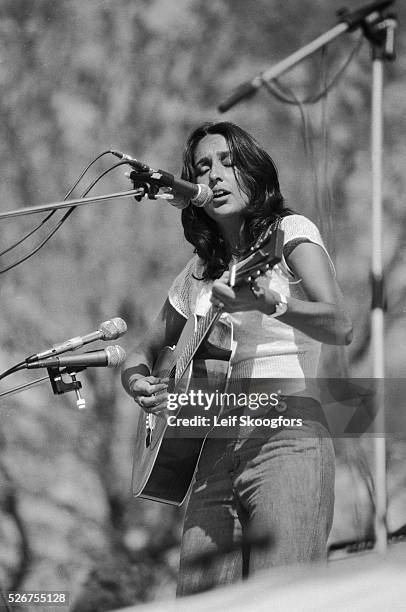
{"points": [[279, 487]]}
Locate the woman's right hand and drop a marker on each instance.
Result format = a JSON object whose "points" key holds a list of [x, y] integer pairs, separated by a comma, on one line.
{"points": [[150, 393]]}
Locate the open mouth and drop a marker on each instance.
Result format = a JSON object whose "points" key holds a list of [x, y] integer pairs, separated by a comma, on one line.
{"points": [[220, 193]]}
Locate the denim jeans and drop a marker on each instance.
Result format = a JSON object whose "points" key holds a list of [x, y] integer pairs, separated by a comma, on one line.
{"points": [[259, 500]]}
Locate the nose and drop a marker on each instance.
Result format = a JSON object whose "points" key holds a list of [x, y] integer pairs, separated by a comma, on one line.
{"points": [[215, 173]]}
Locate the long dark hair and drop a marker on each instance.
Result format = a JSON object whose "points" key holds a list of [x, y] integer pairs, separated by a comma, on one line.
{"points": [[256, 175]]}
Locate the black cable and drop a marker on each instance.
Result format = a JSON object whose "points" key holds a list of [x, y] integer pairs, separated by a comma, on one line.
{"points": [[41, 244], [85, 170], [120, 163], [286, 93], [15, 368], [67, 214], [276, 88], [323, 198], [325, 155], [31, 232], [27, 235]]}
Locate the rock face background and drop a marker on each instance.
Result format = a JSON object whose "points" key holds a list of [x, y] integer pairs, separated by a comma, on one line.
{"points": [[81, 78]]}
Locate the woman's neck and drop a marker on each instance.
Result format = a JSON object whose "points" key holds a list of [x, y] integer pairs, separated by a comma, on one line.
{"points": [[234, 238]]}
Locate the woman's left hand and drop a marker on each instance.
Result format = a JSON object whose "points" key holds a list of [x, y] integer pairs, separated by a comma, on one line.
{"points": [[255, 296]]}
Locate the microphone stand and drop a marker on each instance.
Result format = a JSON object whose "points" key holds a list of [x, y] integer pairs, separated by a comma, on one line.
{"points": [[143, 191], [23, 387], [379, 27], [29, 210], [58, 385]]}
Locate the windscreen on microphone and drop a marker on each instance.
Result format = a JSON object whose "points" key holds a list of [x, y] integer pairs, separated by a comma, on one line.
{"points": [[203, 197], [116, 355], [113, 329]]}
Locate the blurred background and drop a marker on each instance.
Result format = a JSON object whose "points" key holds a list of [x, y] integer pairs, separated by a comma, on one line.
{"points": [[78, 78]]}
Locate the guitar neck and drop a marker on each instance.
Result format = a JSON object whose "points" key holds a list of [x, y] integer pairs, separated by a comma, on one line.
{"points": [[204, 324], [266, 253]]}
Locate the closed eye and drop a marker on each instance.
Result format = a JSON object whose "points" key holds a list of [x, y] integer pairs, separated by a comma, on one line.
{"points": [[226, 159], [201, 170]]}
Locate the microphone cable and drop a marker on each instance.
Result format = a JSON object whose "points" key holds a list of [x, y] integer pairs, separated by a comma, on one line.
{"points": [[286, 95], [279, 91], [18, 366], [53, 211], [61, 221], [97, 179], [41, 244]]}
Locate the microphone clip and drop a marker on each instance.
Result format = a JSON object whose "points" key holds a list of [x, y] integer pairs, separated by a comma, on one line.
{"points": [[142, 181], [60, 386]]}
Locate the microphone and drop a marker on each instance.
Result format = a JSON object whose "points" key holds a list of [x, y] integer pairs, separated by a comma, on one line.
{"points": [[108, 330], [196, 193], [111, 357]]}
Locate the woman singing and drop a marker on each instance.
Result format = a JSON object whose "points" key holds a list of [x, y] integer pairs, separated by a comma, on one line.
{"points": [[280, 484]]}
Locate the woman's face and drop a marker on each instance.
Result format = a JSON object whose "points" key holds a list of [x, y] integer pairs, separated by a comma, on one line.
{"points": [[213, 167]]}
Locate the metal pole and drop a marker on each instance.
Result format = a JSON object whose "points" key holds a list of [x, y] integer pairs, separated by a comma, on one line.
{"points": [[380, 32], [301, 54], [349, 21], [24, 386], [377, 313], [29, 210], [248, 88]]}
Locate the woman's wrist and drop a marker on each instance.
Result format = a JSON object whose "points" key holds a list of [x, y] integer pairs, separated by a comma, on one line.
{"points": [[130, 375], [274, 304]]}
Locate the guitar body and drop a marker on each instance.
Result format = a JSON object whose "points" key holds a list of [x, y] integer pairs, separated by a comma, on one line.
{"points": [[164, 465]]}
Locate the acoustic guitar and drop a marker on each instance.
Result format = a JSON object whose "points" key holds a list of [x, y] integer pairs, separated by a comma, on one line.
{"points": [[164, 464]]}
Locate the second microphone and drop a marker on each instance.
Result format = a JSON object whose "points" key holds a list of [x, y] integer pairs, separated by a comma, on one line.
{"points": [[110, 357]]}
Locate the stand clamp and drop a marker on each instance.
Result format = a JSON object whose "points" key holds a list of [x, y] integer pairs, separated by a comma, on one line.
{"points": [[59, 386], [381, 34], [377, 26], [142, 181]]}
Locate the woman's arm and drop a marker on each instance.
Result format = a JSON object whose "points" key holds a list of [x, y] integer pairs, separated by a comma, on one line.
{"points": [[136, 376], [322, 317]]}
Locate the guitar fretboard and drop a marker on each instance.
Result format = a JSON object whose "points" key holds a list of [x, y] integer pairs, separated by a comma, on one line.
{"points": [[263, 256], [203, 327]]}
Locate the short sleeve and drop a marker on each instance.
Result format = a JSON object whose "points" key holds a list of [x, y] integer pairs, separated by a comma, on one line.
{"points": [[184, 289], [298, 229]]}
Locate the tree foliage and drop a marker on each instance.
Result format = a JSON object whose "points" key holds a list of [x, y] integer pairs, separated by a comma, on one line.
{"points": [[79, 78]]}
